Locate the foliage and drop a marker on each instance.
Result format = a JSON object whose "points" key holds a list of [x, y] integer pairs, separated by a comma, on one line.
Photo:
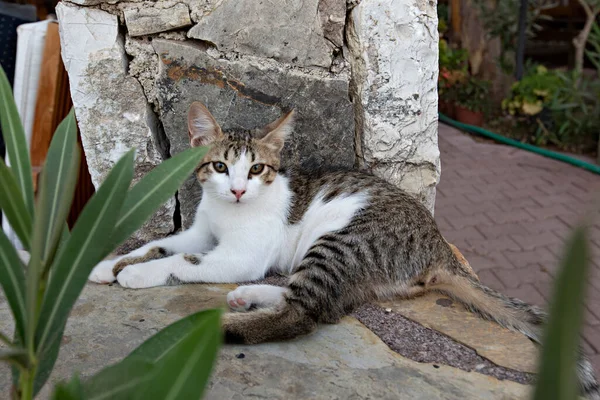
{"points": [[473, 94], [453, 69], [501, 21], [593, 53], [442, 13], [557, 378], [42, 293], [575, 108], [533, 92], [560, 108]]}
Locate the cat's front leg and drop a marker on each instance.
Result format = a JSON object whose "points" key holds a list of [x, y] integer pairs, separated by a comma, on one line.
{"points": [[197, 239], [222, 265]]}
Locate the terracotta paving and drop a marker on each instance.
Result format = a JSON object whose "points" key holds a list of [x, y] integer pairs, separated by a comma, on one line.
{"points": [[509, 212]]}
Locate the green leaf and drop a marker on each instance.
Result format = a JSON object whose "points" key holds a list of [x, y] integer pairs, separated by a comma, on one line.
{"points": [[57, 185], [16, 356], [16, 144], [69, 391], [120, 381], [153, 190], [59, 177], [557, 379], [13, 205], [12, 280], [87, 245], [150, 361], [183, 371]]}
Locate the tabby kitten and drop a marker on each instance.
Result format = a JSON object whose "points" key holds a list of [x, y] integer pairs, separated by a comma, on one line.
{"points": [[345, 237]]}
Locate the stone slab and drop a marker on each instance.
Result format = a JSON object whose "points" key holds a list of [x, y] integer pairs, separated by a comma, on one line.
{"points": [[394, 55], [444, 315], [289, 31], [337, 362], [145, 21], [249, 93], [111, 108]]}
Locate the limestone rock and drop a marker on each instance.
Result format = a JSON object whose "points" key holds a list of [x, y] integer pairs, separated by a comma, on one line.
{"points": [[249, 93], [394, 59], [110, 106], [487, 338], [153, 20], [288, 31], [333, 19], [336, 362]]}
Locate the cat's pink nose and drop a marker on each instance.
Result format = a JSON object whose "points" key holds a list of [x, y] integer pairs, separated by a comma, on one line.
{"points": [[238, 193]]}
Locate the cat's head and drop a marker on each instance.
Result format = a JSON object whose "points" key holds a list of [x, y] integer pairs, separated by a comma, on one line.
{"points": [[239, 165]]}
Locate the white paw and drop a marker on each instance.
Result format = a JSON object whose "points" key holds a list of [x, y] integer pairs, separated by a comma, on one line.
{"points": [[240, 299], [244, 297], [144, 275], [103, 272]]}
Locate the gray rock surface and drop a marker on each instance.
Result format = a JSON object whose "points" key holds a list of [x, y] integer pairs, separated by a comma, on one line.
{"points": [[110, 106], [288, 30], [394, 56], [337, 362], [145, 21], [249, 93]]}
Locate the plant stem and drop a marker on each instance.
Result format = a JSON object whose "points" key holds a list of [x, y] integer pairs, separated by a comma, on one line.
{"points": [[580, 40], [26, 384]]}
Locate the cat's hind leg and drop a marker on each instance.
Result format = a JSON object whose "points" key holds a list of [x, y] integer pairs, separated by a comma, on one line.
{"points": [[258, 296]]}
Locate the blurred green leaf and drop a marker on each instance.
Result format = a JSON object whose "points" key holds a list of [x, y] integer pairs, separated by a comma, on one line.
{"points": [[16, 144], [120, 381], [557, 379], [12, 280], [57, 185], [186, 347], [183, 371], [87, 245], [69, 391], [153, 190], [13, 206], [15, 356]]}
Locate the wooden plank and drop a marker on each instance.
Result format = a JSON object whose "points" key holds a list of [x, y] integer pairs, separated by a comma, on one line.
{"points": [[46, 102], [455, 18], [53, 104]]}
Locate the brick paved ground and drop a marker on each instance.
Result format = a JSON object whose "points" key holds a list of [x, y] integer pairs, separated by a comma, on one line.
{"points": [[509, 211]]}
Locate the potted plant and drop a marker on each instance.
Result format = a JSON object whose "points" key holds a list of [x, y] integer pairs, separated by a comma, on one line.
{"points": [[453, 69], [472, 100]]}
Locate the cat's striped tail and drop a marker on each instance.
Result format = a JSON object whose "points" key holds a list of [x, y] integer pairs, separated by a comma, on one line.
{"points": [[513, 314]]}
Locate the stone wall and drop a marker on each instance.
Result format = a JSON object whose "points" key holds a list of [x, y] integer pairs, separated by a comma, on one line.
{"points": [[362, 76]]}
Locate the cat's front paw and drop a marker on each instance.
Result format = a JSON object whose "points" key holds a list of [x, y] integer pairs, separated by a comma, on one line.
{"points": [[140, 276], [103, 272]]}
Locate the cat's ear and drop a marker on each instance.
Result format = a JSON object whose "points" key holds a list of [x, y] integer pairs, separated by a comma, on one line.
{"points": [[202, 126], [277, 131]]}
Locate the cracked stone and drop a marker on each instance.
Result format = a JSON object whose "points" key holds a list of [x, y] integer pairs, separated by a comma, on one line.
{"points": [[290, 32], [150, 20], [111, 109], [340, 361]]}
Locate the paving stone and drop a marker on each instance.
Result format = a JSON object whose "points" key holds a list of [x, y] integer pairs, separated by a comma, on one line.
{"points": [[515, 277]]}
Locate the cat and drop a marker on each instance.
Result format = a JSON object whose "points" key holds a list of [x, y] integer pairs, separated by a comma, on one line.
{"points": [[345, 237]]}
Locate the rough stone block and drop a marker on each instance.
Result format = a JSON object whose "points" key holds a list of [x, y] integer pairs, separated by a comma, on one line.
{"points": [[110, 106], [394, 56], [145, 21], [288, 31], [249, 93]]}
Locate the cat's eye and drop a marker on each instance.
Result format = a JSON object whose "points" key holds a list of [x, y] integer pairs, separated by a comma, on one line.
{"points": [[257, 169], [220, 167]]}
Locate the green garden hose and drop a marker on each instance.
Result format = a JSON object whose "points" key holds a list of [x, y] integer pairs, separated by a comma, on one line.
{"points": [[515, 143]]}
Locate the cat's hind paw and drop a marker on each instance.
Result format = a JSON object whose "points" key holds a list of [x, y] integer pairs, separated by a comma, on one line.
{"points": [[103, 272], [239, 299]]}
